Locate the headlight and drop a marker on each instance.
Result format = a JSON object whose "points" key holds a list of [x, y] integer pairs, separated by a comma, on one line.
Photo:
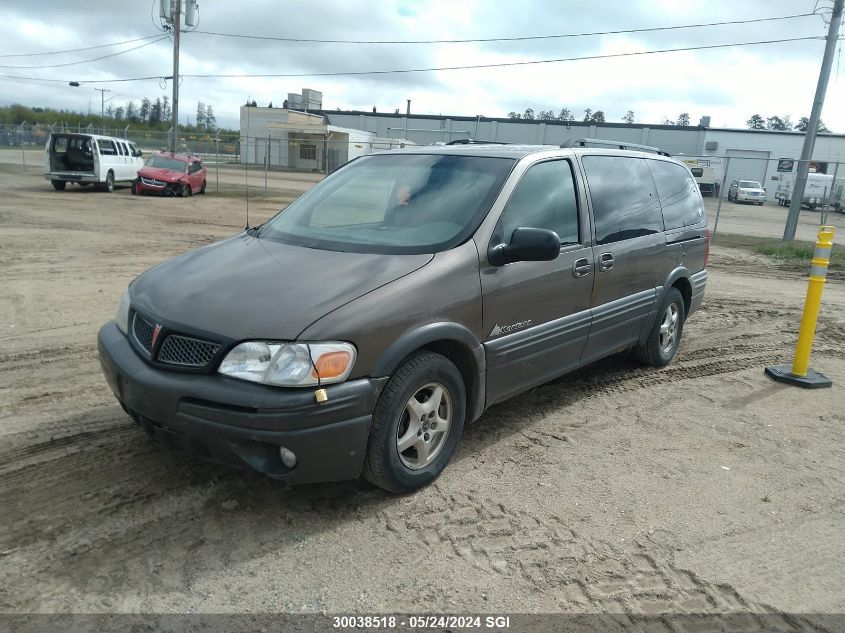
{"points": [[122, 316], [290, 364]]}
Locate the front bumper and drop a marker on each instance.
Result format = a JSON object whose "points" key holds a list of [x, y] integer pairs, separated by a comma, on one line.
{"points": [[154, 187], [241, 423], [740, 197]]}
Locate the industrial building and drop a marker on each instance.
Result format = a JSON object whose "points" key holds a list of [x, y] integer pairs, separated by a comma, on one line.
{"points": [[297, 139], [754, 155]]}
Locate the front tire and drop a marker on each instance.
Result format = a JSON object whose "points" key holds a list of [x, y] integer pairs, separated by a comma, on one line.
{"points": [[58, 185], [665, 337], [185, 190], [417, 424], [108, 186]]}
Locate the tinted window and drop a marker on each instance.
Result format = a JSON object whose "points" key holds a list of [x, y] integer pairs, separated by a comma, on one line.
{"points": [[625, 203], [394, 203], [698, 172], [544, 199], [679, 195], [107, 148]]}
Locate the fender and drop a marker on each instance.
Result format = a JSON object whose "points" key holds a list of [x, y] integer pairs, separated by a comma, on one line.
{"points": [[429, 333], [680, 272]]}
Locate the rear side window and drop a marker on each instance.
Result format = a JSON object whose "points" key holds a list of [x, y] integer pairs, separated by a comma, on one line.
{"points": [[625, 202], [679, 195], [544, 199], [107, 148]]}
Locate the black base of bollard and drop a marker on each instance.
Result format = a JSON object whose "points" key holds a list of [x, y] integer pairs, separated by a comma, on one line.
{"points": [[813, 379]]}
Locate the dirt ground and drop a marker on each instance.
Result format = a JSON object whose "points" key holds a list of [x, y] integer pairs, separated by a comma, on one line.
{"points": [[701, 487]]}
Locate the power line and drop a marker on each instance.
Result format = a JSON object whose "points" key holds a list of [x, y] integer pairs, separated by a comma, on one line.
{"points": [[503, 39], [93, 59], [77, 50], [432, 69], [503, 64]]}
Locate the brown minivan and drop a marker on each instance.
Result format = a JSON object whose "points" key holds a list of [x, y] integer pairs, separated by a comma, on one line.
{"points": [[358, 330]]}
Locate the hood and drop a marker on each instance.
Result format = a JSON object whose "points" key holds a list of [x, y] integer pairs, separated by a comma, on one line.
{"points": [[159, 173], [246, 287]]}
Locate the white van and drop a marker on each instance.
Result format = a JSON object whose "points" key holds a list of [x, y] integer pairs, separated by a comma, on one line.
{"points": [[89, 158]]}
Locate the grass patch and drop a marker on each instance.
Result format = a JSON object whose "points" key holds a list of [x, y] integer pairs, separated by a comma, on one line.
{"points": [[796, 254]]}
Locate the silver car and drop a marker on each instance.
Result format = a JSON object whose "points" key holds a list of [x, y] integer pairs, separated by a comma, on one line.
{"points": [[747, 191]]}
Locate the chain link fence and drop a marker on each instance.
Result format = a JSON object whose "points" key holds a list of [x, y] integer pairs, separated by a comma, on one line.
{"points": [[318, 155]]}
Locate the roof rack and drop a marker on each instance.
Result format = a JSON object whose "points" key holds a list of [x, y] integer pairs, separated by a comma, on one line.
{"points": [[583, 142], [470, 141]]}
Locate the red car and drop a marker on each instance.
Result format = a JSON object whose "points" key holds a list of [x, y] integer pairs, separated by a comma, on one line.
{"points": [[171, 175]]}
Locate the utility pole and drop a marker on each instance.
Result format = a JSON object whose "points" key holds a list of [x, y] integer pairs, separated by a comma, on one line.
{"points": [[174, 108], [102, 92], [812, 127]]}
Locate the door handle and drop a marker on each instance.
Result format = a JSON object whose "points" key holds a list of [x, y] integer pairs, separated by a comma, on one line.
{"points": [[581, 267], [606, 261]]}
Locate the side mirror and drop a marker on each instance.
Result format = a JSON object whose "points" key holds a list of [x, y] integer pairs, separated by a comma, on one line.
{"points": [[526, 245]]}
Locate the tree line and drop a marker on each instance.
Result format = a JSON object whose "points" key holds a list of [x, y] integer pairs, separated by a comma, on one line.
{"points": [[590, 116], [757, 122], [148, 114]]}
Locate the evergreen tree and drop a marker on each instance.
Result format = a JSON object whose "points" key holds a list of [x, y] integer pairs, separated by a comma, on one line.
{"points": [[200, 113], [144, 112], [210, 119], [131, 111]]}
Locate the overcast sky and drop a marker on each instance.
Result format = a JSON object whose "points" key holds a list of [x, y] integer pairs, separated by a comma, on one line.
{"points": [[727, 84]]}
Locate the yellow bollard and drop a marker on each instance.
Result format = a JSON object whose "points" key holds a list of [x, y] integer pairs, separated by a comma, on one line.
{"points": [[800, 373]]}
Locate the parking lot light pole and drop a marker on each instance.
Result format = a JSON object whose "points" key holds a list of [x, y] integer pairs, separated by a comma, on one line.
{"points": [[102, 92], [812, 126]]}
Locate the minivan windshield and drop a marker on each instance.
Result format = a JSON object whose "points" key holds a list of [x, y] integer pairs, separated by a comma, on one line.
{"points": [[399, 203], [163, 162], [750, 184]]}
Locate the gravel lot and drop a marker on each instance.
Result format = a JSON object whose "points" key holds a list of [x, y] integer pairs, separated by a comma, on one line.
{"points": [[701, 487]]}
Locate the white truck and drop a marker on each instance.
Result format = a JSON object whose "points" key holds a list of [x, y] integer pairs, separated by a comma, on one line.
{"points": [[819, 188], [704, 175]]}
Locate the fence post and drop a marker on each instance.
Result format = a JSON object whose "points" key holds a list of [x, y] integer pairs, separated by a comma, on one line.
{"points": [[266, 164], [217, 162], [721, 189], [832, 191]]}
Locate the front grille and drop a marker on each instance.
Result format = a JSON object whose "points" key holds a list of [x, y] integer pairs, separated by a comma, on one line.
{"points": [[186, 352], [142, 330], [153, 182]]}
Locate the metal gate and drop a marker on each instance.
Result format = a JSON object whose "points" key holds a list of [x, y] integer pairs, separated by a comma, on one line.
{"points": [[746, 164]]}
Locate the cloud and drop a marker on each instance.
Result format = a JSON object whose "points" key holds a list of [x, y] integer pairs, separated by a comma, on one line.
{"points": [[728, 84]]}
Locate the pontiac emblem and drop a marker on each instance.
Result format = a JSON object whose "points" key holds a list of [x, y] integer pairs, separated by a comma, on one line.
{"points": [[156, 332]]}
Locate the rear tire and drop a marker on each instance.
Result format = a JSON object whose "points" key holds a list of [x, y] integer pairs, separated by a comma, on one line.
{"points": [[665, 337], [58, 185], [134, 188], [202, 189], [423, 395]]}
